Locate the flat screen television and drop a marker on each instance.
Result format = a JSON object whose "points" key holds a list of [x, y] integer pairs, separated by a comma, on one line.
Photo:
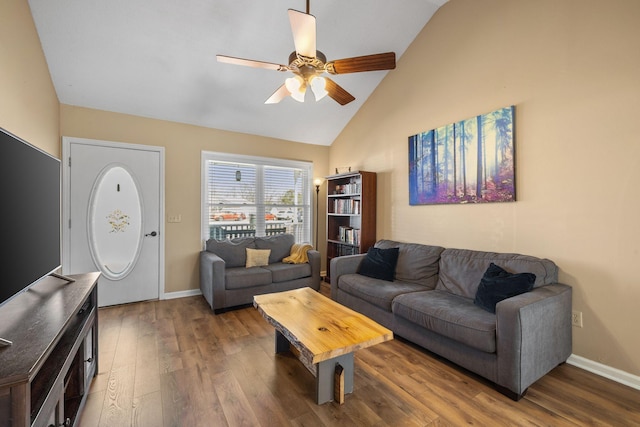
{"points": [[30, 219]]}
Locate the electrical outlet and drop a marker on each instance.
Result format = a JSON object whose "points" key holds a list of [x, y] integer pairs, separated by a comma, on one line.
{"points": [[576, 318]]}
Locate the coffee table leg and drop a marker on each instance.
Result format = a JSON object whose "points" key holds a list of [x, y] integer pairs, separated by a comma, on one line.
{"points": [[282, 343], [324, 378]]}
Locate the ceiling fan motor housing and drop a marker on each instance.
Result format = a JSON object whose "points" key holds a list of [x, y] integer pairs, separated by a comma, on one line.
{"points": [[297, 61]]}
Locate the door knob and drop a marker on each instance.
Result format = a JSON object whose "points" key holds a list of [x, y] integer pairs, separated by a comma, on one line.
{"points": [[152, 234]]}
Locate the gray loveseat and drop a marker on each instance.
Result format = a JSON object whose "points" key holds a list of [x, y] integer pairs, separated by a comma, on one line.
{"points": [[225, 281], [431, 302]]}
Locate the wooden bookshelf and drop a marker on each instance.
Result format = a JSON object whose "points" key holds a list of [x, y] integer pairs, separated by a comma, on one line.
{"points": [[351, 214]]}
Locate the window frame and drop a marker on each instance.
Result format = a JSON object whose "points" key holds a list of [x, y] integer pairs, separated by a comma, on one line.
{"points": [[260, 163]]}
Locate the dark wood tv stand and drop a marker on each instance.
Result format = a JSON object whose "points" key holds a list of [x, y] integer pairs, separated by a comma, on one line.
{"points": [[45, 375]]}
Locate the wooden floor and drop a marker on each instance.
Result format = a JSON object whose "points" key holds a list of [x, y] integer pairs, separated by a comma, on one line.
{"points": [[175, 363]]}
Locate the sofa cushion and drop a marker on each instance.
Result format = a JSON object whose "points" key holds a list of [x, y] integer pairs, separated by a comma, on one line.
{"points": [[449, 315], [462, 269], [233, 252], [379, 264], [497, 284], [257, 257], [279, 244], [241, 277], [281, 272], [416, 263], [375, 291]]}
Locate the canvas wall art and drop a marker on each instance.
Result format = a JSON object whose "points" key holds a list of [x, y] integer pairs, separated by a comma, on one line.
{"points": [[471, 161]]}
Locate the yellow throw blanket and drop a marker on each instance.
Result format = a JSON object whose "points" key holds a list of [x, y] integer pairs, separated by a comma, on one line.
{"points": [[298, 254]]}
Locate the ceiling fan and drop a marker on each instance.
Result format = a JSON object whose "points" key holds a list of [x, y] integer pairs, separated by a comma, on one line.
{"points": [[308, 64]]}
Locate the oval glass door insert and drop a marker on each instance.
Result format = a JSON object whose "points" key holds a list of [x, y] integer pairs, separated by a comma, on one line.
{"points": [[115, 222]]}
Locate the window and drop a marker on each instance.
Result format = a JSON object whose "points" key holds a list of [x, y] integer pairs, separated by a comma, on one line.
{"points": [[255, 196]]}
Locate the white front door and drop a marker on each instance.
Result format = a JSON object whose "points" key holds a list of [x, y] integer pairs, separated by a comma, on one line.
{"points": [[112, 217]]}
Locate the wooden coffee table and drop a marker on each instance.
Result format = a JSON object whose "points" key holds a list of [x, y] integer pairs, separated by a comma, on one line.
{"points": [[323, 332]]}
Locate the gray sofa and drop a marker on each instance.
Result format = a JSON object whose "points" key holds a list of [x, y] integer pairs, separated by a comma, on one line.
{"points": [[431, 302], [226, 282]]}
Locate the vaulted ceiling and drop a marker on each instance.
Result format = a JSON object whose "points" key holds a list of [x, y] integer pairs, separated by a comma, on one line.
{"points": [[157, 58]]}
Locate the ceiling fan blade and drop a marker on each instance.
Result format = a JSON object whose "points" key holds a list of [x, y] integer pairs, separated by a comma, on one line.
{"points": [[376, 62], [278, 95], [336, 92], [251, 63], [303, 27]]}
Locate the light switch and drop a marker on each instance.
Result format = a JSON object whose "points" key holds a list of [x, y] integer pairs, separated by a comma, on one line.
{"points": [[175, 218]]}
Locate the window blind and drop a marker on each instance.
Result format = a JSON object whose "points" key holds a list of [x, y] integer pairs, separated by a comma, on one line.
{"points": [[255, 196]]}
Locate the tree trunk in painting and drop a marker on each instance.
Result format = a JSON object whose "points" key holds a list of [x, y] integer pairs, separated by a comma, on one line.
{"points": [[423, 178], [463, 159], [446, 161], [480, 164], [433, 166], [455, 165]]}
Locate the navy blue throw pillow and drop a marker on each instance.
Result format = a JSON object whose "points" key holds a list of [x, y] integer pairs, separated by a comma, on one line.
{"points": [[498, 284], [380, 263]]}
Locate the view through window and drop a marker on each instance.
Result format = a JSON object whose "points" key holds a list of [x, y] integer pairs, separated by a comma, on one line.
{"points": [[254, 196]]}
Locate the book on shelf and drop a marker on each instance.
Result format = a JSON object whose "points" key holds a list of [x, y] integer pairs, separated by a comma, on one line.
{"points": [[346, 206], [343, 250], [354, 187], [349, 235]]}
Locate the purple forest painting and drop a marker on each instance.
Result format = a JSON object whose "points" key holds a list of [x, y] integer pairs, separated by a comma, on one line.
{"points": [[471, 161]]}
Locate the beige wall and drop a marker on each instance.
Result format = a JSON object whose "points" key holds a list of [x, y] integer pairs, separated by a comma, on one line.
{"points": [[29, 105], [183, 146], [572, 69]]}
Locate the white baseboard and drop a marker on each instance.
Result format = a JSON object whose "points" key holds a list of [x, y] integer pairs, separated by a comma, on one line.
{"points": [[181, 294], [614, 374]]}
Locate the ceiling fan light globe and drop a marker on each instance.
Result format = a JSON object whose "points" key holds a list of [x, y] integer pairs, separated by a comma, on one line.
{"points": [[298, 96], [293, 84], [318, 86], [297, 87]]}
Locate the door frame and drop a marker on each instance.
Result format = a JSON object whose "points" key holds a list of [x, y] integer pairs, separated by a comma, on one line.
{"points": [[66, 199]]}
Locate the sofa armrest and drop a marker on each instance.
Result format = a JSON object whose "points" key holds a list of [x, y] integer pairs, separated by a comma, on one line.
{"points": [[347, 264], [212, 279], [533, 334], [315, 263]]}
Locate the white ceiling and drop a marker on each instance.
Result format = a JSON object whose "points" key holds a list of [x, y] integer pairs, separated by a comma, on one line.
{"points": [[156, 58]]}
